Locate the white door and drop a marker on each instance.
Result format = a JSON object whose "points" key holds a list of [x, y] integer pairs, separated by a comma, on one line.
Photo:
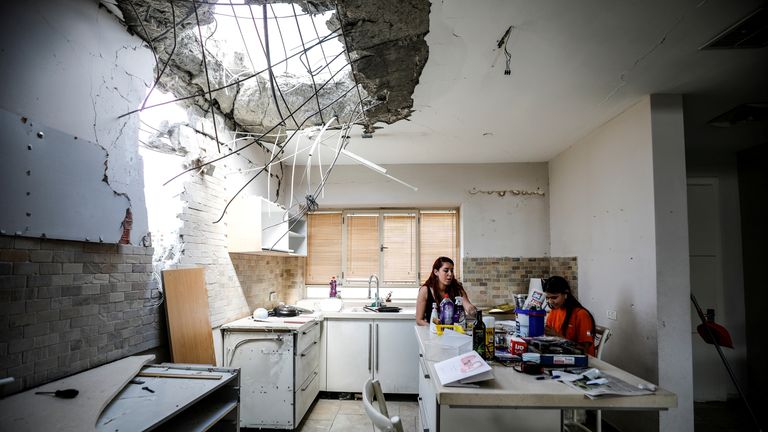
{"points": [[710, 380], [349, 358], [396, 356]]}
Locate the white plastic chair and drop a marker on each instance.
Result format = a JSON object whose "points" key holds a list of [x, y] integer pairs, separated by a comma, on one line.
{"points": [[602, 334], [380, 417]]}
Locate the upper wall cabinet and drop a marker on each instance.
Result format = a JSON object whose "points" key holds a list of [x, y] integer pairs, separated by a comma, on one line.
{"points": [[257, 225]]}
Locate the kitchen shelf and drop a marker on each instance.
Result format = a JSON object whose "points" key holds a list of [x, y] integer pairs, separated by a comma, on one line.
{"points": [[259, 226]]}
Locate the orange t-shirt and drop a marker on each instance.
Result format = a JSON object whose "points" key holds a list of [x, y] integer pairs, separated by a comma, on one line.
{"points": [[579, 327]]}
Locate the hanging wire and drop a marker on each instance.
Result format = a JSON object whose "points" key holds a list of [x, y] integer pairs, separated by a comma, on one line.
{"points": [[346, 49], [326, 38], [207, 79], [170, 56], [314, 85], [282, 148], [280, 32], [146, 34], [503, 43]]}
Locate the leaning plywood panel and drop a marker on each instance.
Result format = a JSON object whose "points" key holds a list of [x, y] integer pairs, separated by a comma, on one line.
{"points": [[186, 306], [28, 411]]}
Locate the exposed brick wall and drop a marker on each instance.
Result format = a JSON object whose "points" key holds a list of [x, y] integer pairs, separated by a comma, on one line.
{"points": [[68, 306], [495, 280], [259, 275]]}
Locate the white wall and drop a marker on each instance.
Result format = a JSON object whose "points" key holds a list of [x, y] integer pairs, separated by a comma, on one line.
{"points": [[69, 65], [491, 226], [603, 208]]}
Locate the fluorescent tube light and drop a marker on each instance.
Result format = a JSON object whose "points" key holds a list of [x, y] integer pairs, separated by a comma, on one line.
{"points": [[364, 161]]}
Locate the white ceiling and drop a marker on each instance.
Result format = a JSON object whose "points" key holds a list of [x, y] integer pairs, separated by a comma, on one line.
{"points": [[574, 66]]}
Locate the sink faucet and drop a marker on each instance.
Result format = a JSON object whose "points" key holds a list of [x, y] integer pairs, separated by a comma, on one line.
{"points": [[376, 302]]}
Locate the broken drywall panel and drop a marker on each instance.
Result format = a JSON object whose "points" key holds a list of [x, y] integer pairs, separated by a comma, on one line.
{"points": [[52, 185], [73, 68]]}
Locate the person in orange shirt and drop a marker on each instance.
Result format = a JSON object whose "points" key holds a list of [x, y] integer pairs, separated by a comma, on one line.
{"points": [[567, 317]]}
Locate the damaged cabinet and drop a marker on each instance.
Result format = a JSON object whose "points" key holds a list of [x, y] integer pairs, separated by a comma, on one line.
{"points": [[257, 225]]}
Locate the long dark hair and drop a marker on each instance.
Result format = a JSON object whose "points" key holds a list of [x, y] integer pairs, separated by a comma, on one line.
{"points": [[558, 285], [454, 289]]}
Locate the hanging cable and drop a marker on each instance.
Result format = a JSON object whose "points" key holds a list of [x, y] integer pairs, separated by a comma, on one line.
{"points": [[207, 80], [276, 155], [170, 56], [222, 87], [314, 85], [280, 32], [349, 57], [503, 43], [146, 34]]}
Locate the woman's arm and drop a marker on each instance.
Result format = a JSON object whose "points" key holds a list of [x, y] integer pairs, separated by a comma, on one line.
{"points": [[421, 306], [469, 308]]}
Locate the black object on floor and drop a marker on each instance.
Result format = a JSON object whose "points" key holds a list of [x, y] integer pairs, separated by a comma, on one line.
{"points": [[64, 394]]}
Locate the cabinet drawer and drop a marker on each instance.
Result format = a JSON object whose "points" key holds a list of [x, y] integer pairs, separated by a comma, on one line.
{"points": [[307, 361], [308, 336], [305, 395]]}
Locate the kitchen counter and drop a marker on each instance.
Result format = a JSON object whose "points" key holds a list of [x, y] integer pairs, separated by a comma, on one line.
{"points": [[360, 313], [297, 323]]}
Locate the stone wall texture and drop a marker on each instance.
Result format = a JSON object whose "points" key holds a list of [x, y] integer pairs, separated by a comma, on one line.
{"points": [[68, 306], [495, 280]]}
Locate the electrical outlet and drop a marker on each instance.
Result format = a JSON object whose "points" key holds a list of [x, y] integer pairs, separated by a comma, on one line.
{"points": [[273, 297], [611, 314]]}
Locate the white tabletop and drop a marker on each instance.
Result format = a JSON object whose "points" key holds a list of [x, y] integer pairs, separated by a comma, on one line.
{"points": [[514, 389]]}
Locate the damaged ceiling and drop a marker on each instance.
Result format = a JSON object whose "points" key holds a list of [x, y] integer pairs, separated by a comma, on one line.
{"points": [[564, 69], [386, 52]]}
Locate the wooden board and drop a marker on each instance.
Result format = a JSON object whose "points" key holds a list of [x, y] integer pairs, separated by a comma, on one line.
{"points": [[27, 411], [186, 308]]}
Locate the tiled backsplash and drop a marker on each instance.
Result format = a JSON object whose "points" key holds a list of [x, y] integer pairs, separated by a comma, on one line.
{"points": [[492, 281], [261, 274]]}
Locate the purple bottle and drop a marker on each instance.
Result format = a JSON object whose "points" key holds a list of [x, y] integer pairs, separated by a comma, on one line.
{"points": [[333, 287]]}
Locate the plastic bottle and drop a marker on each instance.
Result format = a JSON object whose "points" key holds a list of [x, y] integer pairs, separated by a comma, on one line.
{"points": [[434, 319], [446, 310], [333, 287], [459, 316], [478, 335], [490, 337]]}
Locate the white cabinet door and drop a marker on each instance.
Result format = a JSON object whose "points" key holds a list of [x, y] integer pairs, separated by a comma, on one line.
{"points": [[349, 361], [396, 356]]}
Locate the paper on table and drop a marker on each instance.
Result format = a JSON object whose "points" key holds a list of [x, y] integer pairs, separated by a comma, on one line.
{"points": [[463, 369]]}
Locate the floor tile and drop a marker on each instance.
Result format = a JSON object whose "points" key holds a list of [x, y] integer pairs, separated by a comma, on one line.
{"points": [[352, 423], [311, 425], [351, 407], [325, 409]]}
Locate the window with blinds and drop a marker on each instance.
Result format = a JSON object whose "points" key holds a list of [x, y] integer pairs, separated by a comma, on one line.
{"points": [[399, 246], [438, 236], [323, 247]]}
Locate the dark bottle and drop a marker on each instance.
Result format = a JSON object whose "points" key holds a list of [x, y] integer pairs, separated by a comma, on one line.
{"points": [[478, 335]]}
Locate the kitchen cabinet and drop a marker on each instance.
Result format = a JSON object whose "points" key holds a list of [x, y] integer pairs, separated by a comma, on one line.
{"points": [[256, 224], [280, 369], [383, 349], [427, 398]]}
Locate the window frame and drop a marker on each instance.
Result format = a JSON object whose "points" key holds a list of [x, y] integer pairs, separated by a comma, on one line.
{"points": [[380, 213]]}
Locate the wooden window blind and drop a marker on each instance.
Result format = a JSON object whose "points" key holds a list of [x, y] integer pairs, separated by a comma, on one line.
{"points": [[362, 249], [323, 247], [399, 254], [438, 237]]}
